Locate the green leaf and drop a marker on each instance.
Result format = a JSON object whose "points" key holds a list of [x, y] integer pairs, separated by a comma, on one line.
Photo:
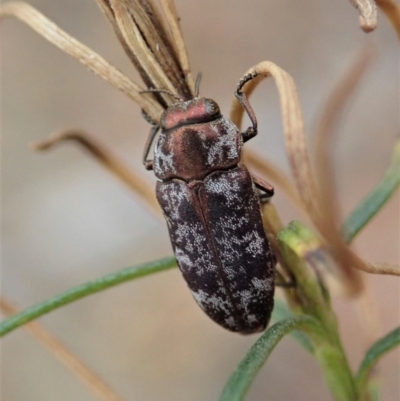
{"points": [[84, 290], [375, 200], [282, 312], [242, 378], [379, 349]]}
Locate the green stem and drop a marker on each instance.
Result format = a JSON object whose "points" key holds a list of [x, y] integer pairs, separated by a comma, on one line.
{"points": [[84, 290], [336, 371], [298, 249]]}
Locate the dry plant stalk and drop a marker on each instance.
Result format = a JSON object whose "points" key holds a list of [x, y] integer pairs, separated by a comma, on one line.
{"points": [[392, 10], [296, 149], [51, 32], [157, 51], [293, 127], [325, 134], [368, 14], [261, 163], [136, 42], [109, 160], [96, 385], [172, 17]]}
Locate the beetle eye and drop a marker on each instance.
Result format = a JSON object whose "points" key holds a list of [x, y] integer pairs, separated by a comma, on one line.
{"points": [[211, 108]]}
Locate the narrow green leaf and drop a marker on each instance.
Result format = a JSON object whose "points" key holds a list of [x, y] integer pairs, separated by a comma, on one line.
{"points": [[282, 312], [377, 351], [84, 290], [375, 200], [242, 378]]}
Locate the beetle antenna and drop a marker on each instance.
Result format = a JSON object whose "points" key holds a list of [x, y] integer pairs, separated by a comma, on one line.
{"points": [[154, 90], [197, 85]]}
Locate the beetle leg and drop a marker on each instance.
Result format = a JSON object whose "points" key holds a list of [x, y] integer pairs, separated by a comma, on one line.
{"points": [[148, 164], [282, 281], [286, 280], [265, 187], [290, 284], [251, 132]]}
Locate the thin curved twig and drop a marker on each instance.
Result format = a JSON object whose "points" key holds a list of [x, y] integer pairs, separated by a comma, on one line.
{"points": [[392, 10], [383, 268], [368, 14], [261, 163], [95, 384], [296, 149], [293, 130], [109, 160], [51, 32]]}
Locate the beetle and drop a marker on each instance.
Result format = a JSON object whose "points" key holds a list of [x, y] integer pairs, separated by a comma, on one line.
{"points": [[212, 207]]}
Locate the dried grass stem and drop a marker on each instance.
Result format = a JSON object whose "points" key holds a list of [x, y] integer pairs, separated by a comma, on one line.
{"points": [[109, 160], [51, 32]]}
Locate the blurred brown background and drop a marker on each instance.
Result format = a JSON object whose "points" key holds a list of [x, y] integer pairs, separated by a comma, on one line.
{"points": [[66, 220]]}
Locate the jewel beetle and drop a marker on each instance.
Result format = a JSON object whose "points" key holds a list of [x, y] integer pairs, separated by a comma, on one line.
{"points": [[212, 207]]}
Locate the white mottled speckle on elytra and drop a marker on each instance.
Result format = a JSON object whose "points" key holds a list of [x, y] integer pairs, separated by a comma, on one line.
{"points": [[163, 162], [245, 298], [212, 301], [191, 237], [225, 146], [230, 322], [256, 244], [261, 284], [252, 319], [226, 186], [173, 200], [183, 258]]}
